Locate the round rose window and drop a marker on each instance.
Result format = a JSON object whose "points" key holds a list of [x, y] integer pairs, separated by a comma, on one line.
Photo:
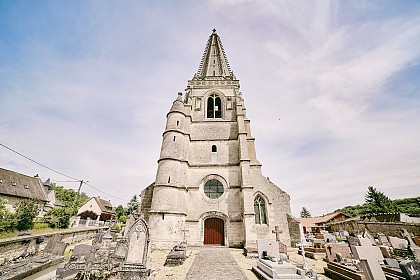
{"points": [[213, 189]]}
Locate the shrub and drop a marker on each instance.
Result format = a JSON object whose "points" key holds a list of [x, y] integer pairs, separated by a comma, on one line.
{"points": [[26, 211], [123, 219], [58, 218]]}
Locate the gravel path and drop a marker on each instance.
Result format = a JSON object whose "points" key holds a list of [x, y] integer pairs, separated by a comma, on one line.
{"points": [[215, 263]]}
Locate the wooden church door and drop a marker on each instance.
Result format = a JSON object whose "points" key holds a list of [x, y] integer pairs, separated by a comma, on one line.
{"points": [[214, 230]]}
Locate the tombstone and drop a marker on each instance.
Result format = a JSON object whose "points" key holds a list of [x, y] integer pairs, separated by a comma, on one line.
{"points": [[392, 263], [354, 241], [410, 269], [415, 250], [398, 243], [385, 251], [271, 266], [134, 267], [332, 249], [51, 243], [343, 234], [383, 239], [329, 238], [268, 248], [128, 224], [370, 258], [59, 248], [106, 241], [177, 255], [79, 261], [282, 246]]}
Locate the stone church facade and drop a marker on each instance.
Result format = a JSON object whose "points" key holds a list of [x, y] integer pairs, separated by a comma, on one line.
{"points": [[209, 189]]}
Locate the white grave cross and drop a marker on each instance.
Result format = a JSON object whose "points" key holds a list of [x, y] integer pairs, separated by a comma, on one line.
{"points": [[277, 231], [370, 257]]}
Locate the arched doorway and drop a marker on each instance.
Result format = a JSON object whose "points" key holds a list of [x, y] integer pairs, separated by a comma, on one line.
{"points": [[214, 231]]}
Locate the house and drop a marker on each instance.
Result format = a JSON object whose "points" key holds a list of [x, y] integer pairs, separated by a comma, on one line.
{"points": [[15, 187], [101, 207], [315, 224]]}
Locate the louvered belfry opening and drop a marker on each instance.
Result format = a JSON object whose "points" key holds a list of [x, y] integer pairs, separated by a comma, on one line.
{"points": [[214, 229]]}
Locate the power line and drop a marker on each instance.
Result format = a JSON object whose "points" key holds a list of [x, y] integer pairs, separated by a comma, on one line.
{"points": [[105, 192], [39, 163], [70, 177]]}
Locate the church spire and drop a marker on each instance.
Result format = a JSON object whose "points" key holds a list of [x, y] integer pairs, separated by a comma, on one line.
{"points": [[214, 64]]}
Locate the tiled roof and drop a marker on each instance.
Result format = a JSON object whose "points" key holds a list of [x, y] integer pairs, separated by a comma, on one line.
{"points": [[314, 221], [105, 205], [20, 185]]}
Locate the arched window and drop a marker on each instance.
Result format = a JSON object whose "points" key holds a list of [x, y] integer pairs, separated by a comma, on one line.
{"points": [[260, 212], [213, 189], [214, 107], [214, 149]]}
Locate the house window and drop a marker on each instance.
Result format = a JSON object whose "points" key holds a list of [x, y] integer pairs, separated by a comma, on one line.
{"points": [[214, 149], [213, 189], [214, 107], [260, 211]]}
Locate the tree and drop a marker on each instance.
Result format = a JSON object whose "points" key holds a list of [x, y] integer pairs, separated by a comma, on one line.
{"points": [[26, 211], [8, 220], [305, 213], [67, 197], [58, 218], [378, 202], [132, 205], [119, 211]]}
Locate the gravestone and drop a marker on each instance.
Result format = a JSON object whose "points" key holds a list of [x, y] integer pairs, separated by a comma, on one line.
{"points": [[134, 267], [329, 238], [415, 250], [51, 243], [383, 239], [343, 234], [370, 258], [79, 261], [333, 248], [398, 243], [282, 246], [354, 241], [385, 251], [410, 269], [128, 224], [177, 255], [268, 249], [59, 248], [106, 241], [270, 265], [392, 263]]}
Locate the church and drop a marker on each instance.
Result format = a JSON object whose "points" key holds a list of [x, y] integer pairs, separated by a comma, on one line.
{"points": [[209, 188]]}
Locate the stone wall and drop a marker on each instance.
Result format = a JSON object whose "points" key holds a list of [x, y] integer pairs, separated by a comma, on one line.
{"points": [[11, 248], [294, 230], [388, 228]]}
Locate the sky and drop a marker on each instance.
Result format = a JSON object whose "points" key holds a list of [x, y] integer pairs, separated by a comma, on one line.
{"points": [[332, 89]]}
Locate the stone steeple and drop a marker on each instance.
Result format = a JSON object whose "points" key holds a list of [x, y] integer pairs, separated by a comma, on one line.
{"points": [[214, 63], [208, 181]]}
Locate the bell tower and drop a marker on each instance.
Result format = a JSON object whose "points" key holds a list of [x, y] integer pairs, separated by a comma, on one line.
{"points": [[209, 182]]}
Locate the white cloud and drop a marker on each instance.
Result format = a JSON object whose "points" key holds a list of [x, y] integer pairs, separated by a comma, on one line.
{"points": [[92, 102]]}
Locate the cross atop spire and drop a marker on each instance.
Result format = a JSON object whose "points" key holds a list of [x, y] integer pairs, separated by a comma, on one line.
{"points": [[214, 63]]}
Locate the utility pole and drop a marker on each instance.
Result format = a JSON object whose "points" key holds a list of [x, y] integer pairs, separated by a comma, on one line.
{"points": [[76, 197]]}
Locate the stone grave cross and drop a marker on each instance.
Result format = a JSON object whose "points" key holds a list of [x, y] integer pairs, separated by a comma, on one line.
{"points": [[184, 231], [277, 231], [370, 258]]}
